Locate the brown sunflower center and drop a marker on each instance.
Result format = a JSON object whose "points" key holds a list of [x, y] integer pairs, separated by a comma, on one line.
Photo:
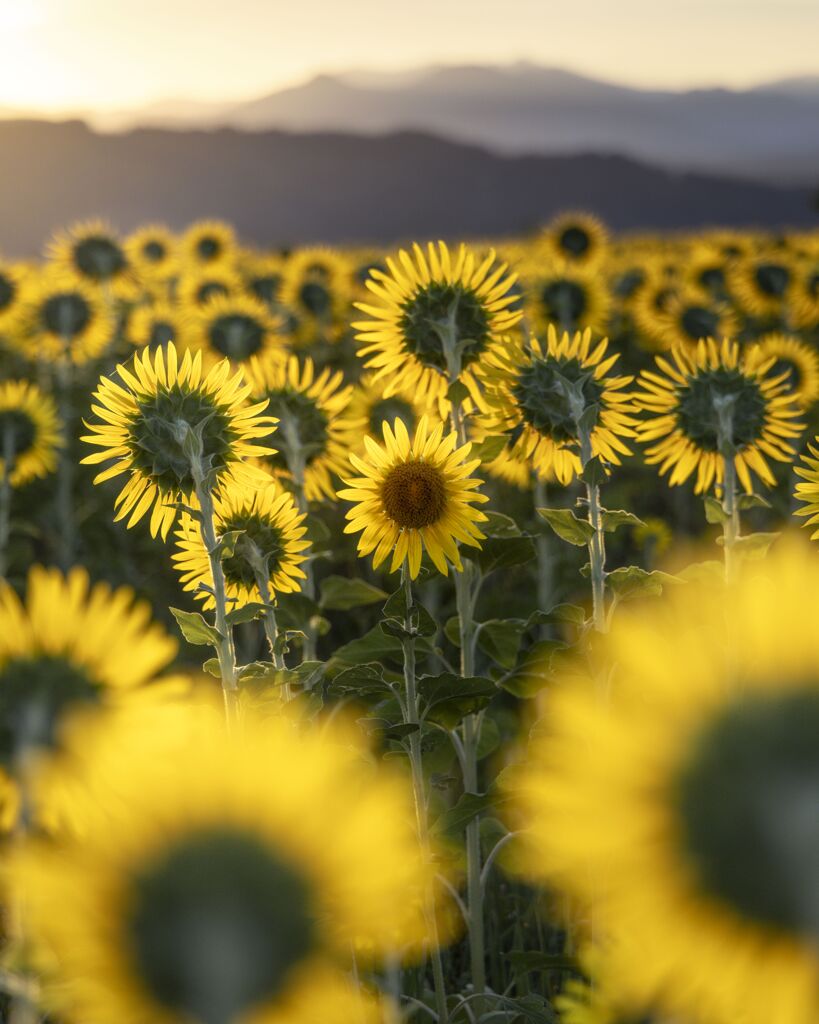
{"points": [[414, 494]]}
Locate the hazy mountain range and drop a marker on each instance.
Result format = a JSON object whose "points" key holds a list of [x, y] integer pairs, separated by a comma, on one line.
{"points": [[282, 188], [769, 132]]}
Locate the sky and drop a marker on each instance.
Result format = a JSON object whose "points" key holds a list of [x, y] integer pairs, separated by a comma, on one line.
{"points": [[58, 56]]}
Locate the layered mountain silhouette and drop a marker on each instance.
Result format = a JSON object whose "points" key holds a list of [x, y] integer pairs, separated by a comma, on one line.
{"points": [[769, 132], [282, 188]]}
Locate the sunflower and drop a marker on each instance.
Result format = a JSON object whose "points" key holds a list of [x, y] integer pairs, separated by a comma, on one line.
{"points": [[414, 495], [198, 285], [808, 492], [234, 327], [370, 405], [316, 428], [208, 243], [653, 301], [66, 318], [153, 252], [29, 432], [569, 299], [71, 646], [93, 252], [706, 269], [14, 282], [262, 276], [316, 286], [154, 324], [692, 314], [805, 313], [798, 360], [199, 891], [764, 284], [710, 397], [149, 419], [684, 809], [537, 393], [436, 318], [578, 239], [265, 516]]}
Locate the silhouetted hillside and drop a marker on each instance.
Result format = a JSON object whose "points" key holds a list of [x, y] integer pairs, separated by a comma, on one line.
{"points": [[280, 188]]}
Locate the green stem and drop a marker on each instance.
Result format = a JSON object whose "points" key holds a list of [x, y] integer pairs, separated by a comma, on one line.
{"points": [[225, 651], [597, 544], [412, 717], [271, 628], [293, 452], [545, 580], [65, 469], [730, 523], [5, 498]]}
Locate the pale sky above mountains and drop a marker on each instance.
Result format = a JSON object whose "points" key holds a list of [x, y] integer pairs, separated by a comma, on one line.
{"points": [[58, 56]]}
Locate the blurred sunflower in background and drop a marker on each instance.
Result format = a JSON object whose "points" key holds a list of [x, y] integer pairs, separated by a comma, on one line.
{"points": [[316, 427], [198, 285], [268, 520], [579, 239], [691, 315], [763, 284], [706, 269], [152, 325], [537, 393], [805, 314], [713, 398], [68, 647], [570, 299], [199, 891], [316, 287], [683, 810], [414, 495], [66, 320], [13, 284], [798, 360], [147, 419], [153, 252], [262, 275], [235, 327], [207, 244], [29, 432], [652, 302], [374, 408], [93, 252]]}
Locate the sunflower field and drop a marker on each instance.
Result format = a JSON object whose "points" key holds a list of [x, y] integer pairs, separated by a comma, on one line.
{"points": [[411, 636]]}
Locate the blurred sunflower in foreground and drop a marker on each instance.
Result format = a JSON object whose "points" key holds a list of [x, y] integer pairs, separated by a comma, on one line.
{"points": [[199, 891], [159, 419], [714, 402], [538, 395], [684, 810], [414, 495], [438, 314], [69, 646]]}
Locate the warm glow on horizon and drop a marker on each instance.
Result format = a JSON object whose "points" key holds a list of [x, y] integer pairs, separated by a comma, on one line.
{"points": [[58, 56]]}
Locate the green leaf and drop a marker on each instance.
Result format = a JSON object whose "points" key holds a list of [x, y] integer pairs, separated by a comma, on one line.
{"points": [[213, 668], [500, 639], [631, 581], [499, 525], [446, 699], [594, 472], [707, 572], [457, 392], [612, 520], [246, 614], [501, 553], [753, 545], [489, 449], [570, 613], [489, 738], [360, 681], [295, 611], [318, 533], [567, 526], [452, 630], [373, 646], [455, 820], [195, 629], [226, 545], [714, 512], [338, 593], [534, 671], [752, 501]]}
